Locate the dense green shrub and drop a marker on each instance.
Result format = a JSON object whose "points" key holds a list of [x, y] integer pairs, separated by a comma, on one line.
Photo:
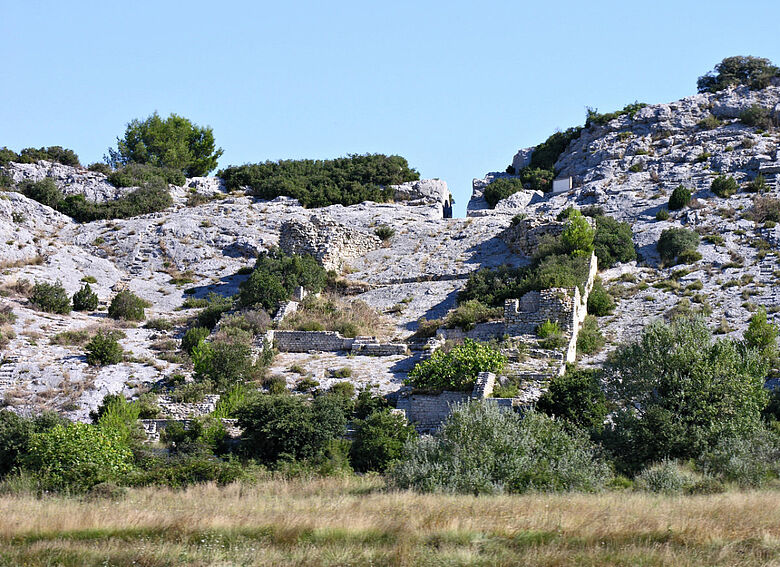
{"points": [[287, 427], [675, 241], [85, 299], [505, 454], [750, 461], [577, 236], [192, 338], [51, 298], [150, 198], [384, 232], [184, 469], [666, 477], [724, 186], [225, 361], [100, 167], [277, 275], [679, 392], [600, 302], [104, 349], [492, 286], [457, 369], [681, 197], [762, 336], [757, 116], [613, 241], [77, 456], [547, 153], [128, 306], [500, 189], [548, 329], [576, 397], [141, 175], [662, 215], [44, 191], [319, 183], [15, 434], [757, 185], [755, 72], [367, 403], [594, 117], [174, 143], [212, 312], [57, 154], [379, 440], [7, 156], [590, 340], [466, 315]]}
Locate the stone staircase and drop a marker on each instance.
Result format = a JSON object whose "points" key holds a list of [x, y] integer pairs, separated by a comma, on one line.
{"points": [[8, 366]]}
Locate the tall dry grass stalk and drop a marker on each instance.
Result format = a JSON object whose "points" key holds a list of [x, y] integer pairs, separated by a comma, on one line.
{"points": [[346, 521]]}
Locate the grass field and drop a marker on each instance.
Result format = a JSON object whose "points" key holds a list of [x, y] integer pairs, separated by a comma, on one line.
{"points": [[355, 522]]}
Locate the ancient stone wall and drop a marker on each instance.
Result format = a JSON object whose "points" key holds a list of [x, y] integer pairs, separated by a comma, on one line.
{"points": [[330, 243], [331, 341], [153, 428], [180, 410]]}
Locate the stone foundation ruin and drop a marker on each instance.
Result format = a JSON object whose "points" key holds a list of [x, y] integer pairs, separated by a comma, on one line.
{"points": [[329, 242]]}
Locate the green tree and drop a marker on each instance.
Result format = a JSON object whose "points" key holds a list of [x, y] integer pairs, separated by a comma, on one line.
{"points": [[289, 427], [755, 72], [174, 143], [225, 362], [677, 392], [128, 306], [379, 440], [85, 299], [762, 336], [458, 368], [51, 298], [77, 456], [680, 198], [104, 349], [16, 432], [613, 241], [675, 241], [577, 236], [724, 186], [576, 397]]}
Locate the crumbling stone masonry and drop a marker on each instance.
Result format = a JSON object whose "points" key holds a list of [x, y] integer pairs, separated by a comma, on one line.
{"points": [[526, 235], [330, 243], [331, 341]]}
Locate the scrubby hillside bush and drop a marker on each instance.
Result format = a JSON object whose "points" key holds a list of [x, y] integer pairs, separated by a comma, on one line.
{"points": [[681, 197], [762, 336], [192, 338], [15, 434], [505, 454], [287, 427], [224, 361], [379, 440], [750, 461], [674, 242], [276, 276], [77, 456], [85, 299], [128, 306], [547, 153], [679, 392], [104, 349], [57, 154], [174, 143], [757, 116], [754, 72], [44, 191], [576, 397], [319, 183], [466, 315], [594, 117], [724, 186], [613, 241], [142, 174], [51, 298], [577, 236], [456, 369], [600, 302], [500, 189]]}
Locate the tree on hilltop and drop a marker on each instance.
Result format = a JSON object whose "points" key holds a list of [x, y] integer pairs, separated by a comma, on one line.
{"points": [[754, 72], [174, 143]]}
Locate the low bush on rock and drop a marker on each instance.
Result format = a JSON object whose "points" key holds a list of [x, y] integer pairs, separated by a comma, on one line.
{"points": [[127, 306], [104, 349], [613, 241], [724, 186], [319, 183], [600, 302], [466, 315], [590, 340], [51, 298], [681, 197], [754, 72], [757, 117], [331, 313], [85, 299], [674, 242]]}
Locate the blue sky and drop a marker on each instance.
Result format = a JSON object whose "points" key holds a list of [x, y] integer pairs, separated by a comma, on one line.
{"points": [[455, 87]]}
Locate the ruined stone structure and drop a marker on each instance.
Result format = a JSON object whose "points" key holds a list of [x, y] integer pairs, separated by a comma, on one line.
{"points": [[153, 428], [330, 243], [181, 410], [426, 192], [331, 341], [427, 411]]}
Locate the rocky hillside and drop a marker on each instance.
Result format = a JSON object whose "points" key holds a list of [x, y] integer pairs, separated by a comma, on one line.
{"points": [[205, 242]]}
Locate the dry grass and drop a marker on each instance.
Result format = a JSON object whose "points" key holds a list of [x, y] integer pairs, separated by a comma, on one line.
{"points": [[331, 313], [353, 522]]}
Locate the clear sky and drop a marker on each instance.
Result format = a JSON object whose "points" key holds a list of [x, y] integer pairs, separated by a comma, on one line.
{"points": [[455, 87]]}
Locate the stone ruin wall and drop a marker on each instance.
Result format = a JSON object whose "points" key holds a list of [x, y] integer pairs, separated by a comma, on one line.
{"points": [[331, 341], [329, 242]]}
